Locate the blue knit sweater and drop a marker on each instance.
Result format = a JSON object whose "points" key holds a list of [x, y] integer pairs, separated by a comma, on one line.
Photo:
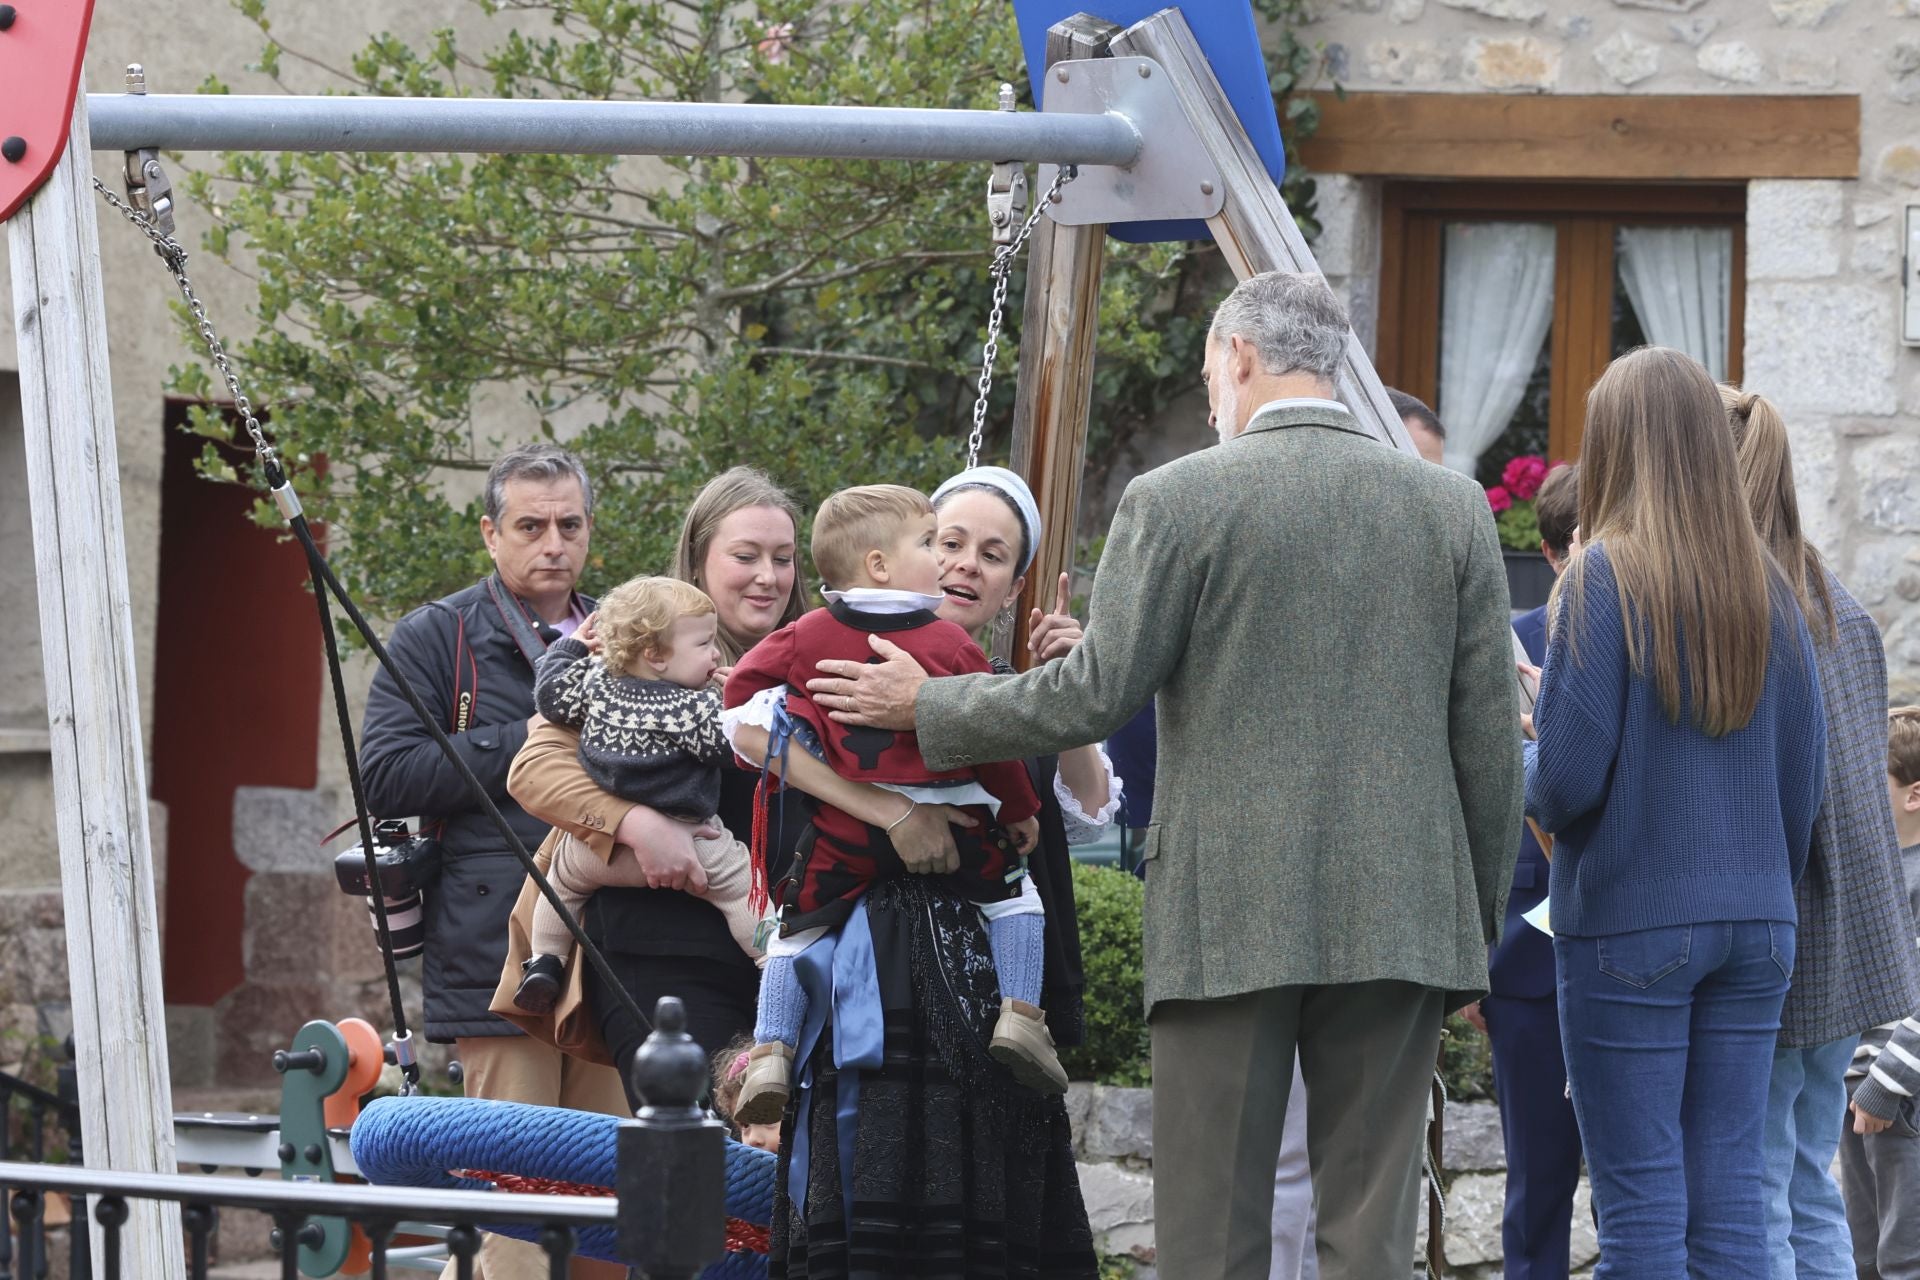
{"points": [[1656, 823]]}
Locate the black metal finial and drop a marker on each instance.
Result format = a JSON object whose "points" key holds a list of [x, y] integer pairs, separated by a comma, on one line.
{"points": [[670, 1072], [13, 148]]}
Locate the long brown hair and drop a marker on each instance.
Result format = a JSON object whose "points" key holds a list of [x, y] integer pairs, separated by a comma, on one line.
{"points": [[1660, 487], [734, 490], [1766, 476]]}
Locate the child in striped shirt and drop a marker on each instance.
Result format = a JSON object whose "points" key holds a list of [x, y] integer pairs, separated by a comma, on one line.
{"points": [[1880, 1148]]}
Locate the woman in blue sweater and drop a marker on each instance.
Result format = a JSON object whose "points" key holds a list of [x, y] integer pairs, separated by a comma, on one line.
{"points": [[1680, 761]]}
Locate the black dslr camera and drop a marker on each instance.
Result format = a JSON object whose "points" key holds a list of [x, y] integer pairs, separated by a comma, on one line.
{"points": [[407, 864]]}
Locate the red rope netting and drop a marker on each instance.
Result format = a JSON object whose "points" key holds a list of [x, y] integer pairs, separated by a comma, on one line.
{"points": [[742, 1237]]}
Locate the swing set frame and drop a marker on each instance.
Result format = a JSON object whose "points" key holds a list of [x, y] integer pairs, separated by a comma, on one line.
{"points": [[1138, 110]]}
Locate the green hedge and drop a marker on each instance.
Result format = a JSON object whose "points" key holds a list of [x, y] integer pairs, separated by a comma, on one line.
{"points": [[1115, 1051], [1116, 1048]]}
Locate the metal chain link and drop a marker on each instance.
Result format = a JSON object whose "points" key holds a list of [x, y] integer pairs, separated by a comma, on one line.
{"points": [[1002, 272], [175, 257]]}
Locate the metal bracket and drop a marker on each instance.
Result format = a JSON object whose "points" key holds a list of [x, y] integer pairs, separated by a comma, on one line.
{"points": [[149, 190], [314, 1068], [1174, 177], [1006, 189]]}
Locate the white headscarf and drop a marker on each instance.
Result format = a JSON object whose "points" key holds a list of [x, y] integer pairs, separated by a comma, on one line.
{"points": [[1009, 486]]}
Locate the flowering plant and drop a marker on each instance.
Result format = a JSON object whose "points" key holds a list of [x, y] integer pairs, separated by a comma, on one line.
{"points": [[1512, 501]]}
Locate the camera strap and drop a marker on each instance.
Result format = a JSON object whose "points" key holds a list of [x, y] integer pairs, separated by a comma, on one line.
{"points": [[513, 616]]}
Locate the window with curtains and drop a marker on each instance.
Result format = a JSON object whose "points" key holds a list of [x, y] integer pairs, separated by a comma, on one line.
{"points": [[1501, 304]]}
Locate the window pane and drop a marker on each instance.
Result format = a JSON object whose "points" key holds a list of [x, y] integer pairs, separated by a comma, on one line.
{"points": [[1678, 283], [1496, 309], [1527, 430]]}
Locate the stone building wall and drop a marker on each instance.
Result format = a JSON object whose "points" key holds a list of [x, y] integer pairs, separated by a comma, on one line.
{"points": [[1823, 257]]}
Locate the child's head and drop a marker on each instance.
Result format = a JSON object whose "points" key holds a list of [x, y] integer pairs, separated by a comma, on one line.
{"points": [[659, 629], [876, 535], [729, 1070], [1903, 771]]}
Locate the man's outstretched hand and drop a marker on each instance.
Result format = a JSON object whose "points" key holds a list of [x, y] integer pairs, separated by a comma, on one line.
{"points": [[879, 695]]}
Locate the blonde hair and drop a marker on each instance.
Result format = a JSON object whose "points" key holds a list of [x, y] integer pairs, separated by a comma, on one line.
{"points": [[737, 489], [1903, 745], [1660, 487], [1766, 476], [855, 521], [634, 618]]}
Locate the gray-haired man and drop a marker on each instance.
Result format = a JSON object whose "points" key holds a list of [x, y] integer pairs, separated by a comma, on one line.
{"points": [[1323, 623], [470, 657]]}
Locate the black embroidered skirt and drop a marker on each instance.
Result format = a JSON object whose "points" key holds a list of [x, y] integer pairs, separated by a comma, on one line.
{"points": [[958, 1172]]}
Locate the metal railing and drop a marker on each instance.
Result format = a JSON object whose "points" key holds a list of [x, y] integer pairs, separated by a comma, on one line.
{"points": [[667, 1210], [29, 1117], [293, 1206]]}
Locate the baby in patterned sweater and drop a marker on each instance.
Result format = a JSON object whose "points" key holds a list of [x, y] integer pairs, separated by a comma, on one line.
{"points": [[649, 722]]}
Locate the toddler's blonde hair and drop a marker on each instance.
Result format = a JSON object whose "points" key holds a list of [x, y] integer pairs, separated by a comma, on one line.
{"points": [[855, 521], [635, 616]]}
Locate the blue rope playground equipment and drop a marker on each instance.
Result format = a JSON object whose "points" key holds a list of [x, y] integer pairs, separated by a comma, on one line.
{"points": [[475, 1145]]}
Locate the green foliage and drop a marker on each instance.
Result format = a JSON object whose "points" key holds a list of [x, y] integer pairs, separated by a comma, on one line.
{"points": [[1466, 1061], [670, 318], [1117, 1266], [1519, 527], [1115, 1052]]}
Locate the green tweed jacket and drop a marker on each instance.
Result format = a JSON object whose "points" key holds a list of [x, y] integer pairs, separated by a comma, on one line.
{"points": [[1324, 623]]}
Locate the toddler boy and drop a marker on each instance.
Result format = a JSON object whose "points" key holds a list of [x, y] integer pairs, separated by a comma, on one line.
{"points": [[873, 548]]}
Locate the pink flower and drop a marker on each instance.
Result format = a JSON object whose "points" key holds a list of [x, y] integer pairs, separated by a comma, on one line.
{"points": [[774, 47], [1523, 476], [1499, 499]]}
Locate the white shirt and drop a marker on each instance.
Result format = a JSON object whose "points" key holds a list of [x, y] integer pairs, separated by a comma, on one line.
{"points": [[883, 600], [1300, 402]]}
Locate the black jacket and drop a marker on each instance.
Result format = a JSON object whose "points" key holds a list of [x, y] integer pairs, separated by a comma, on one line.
{"points": [[406, 775]]}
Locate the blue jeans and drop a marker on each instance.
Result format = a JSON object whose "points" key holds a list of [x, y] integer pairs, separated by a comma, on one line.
{"points": [[1807, 1237], [1669, 1037]]}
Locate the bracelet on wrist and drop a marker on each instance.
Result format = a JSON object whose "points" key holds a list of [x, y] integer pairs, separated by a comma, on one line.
{"points": [[911, 806]]}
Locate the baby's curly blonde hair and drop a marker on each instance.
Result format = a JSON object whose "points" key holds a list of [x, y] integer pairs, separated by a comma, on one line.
{"points": [[633, 619]]}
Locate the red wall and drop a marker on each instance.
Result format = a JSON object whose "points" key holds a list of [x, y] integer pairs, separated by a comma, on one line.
{"points": [[237, 685]]}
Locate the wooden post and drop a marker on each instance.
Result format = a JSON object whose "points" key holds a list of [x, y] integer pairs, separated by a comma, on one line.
{"points": [[1253, 228], [93, 696], [1055, 389]]}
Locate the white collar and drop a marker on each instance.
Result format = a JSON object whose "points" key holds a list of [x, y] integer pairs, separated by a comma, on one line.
{"points": [[883, 600], [1299, 402]]}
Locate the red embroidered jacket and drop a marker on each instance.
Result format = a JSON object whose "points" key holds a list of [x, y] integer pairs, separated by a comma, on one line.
{"points": [[789, 656]]}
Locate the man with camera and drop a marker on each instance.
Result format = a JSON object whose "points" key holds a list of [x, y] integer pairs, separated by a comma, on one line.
{"points": [[471, 658]]}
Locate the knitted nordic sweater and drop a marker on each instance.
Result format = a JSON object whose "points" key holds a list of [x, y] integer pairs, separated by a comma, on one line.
{"points": [[1855, 965], [649, 741], [1658, 824]]}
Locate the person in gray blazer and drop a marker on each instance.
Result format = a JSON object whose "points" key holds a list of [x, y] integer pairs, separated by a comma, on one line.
{"points": [[1323, 623]]}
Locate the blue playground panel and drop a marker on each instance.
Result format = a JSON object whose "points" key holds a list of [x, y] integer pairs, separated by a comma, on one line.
{"points": [[1227, 35]]}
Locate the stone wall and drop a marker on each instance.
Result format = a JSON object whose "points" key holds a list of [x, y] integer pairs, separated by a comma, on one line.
{"points": [[1823, 257], [1113, 1141]]}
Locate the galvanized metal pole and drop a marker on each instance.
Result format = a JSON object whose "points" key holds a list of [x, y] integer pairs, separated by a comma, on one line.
{"points": [[195, 122]]}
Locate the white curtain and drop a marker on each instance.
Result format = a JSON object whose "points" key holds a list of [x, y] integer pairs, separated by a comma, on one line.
{"points": [[1497, 302], [1678, 280]]}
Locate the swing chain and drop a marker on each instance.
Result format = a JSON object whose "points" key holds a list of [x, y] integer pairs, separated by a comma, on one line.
{"points": [[175, 257], [1002, 273]]}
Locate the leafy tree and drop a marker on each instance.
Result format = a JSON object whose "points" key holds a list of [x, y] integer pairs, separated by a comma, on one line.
{"points": [[667, 318]]}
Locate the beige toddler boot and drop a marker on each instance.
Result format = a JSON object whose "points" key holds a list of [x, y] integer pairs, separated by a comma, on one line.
{"points": [[766, 1086], [1022, 1043]]}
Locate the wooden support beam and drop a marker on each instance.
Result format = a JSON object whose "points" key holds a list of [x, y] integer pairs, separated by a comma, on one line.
{"points": [[1612, 137], [1254, 228], [93, 696], [1055, 388]]}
